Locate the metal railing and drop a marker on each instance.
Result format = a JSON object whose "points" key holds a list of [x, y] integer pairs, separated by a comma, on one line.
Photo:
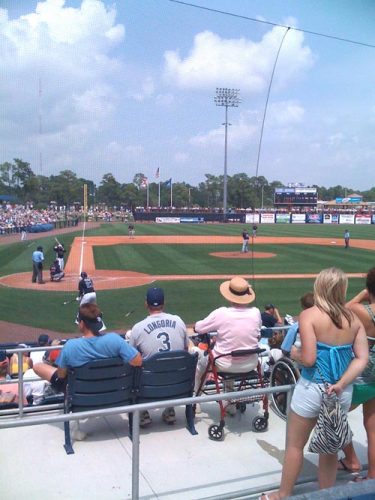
{"points": [[23, 421]]}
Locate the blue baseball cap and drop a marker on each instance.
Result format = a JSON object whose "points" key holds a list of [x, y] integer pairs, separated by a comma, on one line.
{"points": [[155, 297]]}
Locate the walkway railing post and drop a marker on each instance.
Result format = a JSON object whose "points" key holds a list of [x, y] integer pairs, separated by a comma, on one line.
{"points": [[135, 456]]}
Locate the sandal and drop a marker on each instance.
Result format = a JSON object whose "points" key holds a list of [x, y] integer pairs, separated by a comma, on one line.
{"points": [[359, 479], [341, 465]]}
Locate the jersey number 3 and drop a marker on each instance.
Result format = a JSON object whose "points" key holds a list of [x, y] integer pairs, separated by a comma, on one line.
{"points": [[165, 341]]}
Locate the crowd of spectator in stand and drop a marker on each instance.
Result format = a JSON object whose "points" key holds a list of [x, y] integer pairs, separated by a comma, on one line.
{"points": [[18, 218]]}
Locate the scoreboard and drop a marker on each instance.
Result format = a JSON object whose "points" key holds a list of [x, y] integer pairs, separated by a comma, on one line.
{"points": [[296, 196]]}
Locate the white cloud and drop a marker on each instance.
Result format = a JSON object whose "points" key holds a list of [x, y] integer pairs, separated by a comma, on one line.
{"points": [[145, 92], [285, 113], [215, 61], [63, 52]]}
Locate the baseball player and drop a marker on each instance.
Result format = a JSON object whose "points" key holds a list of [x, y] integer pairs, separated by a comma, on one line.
{"points": [[245, 241], [55, 271], [87, 294], [60, 250]]}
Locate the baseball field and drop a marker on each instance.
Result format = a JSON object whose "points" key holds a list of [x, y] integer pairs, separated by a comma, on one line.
{"points": [[188, 260]]}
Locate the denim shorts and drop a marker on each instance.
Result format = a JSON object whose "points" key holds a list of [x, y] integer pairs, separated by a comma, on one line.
{"points": [[307, 398]]}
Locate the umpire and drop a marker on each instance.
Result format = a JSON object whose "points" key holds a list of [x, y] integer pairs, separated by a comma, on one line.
{"points": [[38, 258]]}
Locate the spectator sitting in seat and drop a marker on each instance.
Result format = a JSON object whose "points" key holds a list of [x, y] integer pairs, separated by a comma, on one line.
{"points": [[56, 272], [292, 335], [8, 392], [92, 345], [26, 362], [158, 332], [237, 327], [271, 316], [37, 356]]}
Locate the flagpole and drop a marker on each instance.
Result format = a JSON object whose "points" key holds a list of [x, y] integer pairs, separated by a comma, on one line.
{"points": [[147, 195], [171, 194], [159, 195]]}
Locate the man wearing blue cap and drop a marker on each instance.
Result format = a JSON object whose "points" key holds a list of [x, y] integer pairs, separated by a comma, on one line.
{"points": [[158, 332]]}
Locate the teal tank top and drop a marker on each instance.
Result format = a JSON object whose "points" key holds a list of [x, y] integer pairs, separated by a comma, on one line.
{"points": [[332, 361]]}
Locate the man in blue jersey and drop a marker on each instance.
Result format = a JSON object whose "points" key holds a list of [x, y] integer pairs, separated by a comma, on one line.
{"points": [[92, 345]]}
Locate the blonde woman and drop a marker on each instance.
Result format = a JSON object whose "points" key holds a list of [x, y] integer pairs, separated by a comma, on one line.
{"points": [[333, 342]]}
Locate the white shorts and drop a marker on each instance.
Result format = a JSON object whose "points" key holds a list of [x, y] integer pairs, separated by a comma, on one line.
{"points": [[307, 398], [88, 298]]}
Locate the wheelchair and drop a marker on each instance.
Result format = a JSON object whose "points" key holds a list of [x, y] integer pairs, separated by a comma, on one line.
{"points": [[284, 372], [213, 381]]}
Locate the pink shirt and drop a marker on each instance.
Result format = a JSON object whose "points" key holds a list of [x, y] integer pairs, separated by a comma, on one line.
{"points": [[236, 327]]}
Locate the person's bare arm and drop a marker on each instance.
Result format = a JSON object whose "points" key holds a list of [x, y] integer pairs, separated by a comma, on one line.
{"points": [[362, 296], [308, 337], [277, 316], [357, 365], [137, 361]]}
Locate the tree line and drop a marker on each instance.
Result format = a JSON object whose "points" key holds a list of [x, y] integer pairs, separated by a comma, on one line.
{"points": [[18, 180]]}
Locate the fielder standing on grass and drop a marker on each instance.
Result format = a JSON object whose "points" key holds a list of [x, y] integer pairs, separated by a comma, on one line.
{"points": [[346, 238]]}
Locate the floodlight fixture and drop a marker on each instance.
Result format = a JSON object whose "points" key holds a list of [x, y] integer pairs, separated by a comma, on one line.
{"points": [[229, 98]]}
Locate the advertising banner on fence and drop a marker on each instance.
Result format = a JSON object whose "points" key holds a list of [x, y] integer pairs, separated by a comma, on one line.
{"points": [[363, 219], [298, 218], [267, 218], [282, 218], [327, 219], [314, 218], [194, 220], [252, 219], [167, 220], [373, 218], [346, 218]]}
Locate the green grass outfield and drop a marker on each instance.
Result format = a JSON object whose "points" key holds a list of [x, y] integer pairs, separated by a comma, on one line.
{"points": [[191, 299]]}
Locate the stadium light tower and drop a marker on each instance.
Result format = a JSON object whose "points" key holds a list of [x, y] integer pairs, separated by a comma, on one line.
{"points": [[230, 99]]}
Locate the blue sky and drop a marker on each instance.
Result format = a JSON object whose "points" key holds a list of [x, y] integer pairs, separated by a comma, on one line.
{"points": [[129, 87]]}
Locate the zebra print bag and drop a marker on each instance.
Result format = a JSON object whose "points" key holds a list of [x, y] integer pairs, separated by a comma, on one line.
{"points": [[332, 431]]}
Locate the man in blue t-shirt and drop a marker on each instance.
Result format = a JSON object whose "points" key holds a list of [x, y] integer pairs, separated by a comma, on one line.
{"points": [[92, 345]]}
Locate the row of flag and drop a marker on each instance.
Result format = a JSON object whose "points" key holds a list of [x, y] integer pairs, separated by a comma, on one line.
{"points": [[144, 181]]}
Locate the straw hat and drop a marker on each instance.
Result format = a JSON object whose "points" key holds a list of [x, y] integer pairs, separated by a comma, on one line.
{"points": [[237, 290]]}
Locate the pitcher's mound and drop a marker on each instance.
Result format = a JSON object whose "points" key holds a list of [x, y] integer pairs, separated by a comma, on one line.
{"points": [[240, 255]]}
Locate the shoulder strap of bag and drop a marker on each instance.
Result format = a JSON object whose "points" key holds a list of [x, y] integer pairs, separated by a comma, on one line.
{"points": [[326, 385]]}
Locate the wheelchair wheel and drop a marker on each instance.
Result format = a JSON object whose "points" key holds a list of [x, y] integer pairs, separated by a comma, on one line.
{"points": [[215, 432], [260, 424], [283, 373]]}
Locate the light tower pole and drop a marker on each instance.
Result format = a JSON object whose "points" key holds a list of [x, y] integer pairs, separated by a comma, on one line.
{"points": [[228, 98]]}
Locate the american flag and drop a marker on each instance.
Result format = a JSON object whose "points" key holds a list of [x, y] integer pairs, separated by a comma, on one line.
{"points": [[157, 173]]}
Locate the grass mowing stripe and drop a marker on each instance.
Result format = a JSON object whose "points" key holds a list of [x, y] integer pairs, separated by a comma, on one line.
{"points": [[196, 259]]}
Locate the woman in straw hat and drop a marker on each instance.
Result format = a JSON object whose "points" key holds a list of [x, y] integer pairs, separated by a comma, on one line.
{"points": [[237, 327]]}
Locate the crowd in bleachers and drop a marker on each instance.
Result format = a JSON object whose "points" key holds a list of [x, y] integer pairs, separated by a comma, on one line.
{"points": [[18, 218]]}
